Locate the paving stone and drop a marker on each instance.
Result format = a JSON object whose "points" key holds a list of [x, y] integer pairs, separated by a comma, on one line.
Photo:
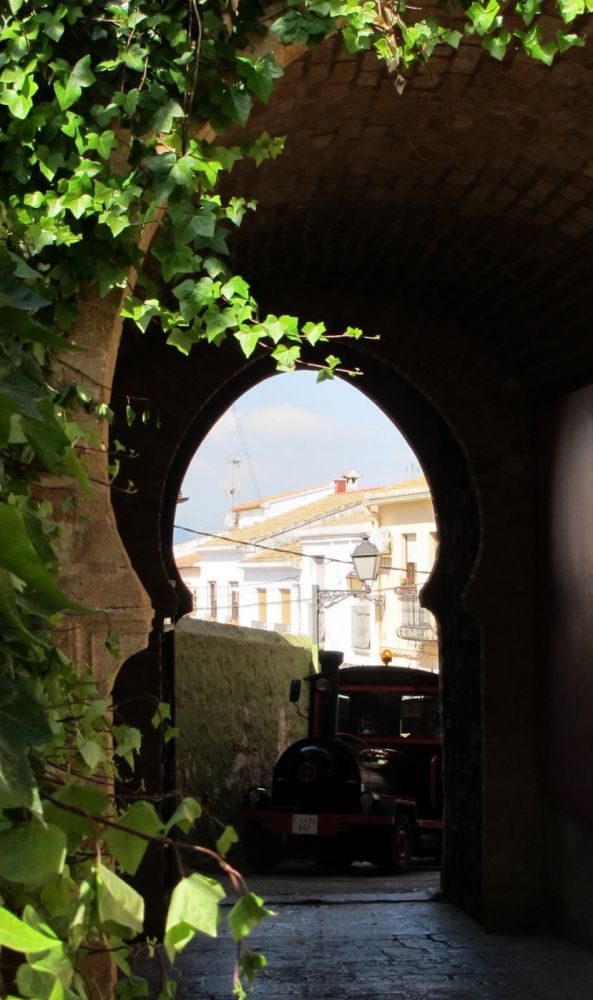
{"points": [[394, 949]]}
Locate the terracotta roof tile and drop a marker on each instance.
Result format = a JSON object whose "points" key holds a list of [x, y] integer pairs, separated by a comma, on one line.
{"points": [[325, 510], [188, 561], [291, 558], [253, 504], [281, 523]]}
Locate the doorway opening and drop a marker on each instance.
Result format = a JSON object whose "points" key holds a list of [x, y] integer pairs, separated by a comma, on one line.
{"points": [[273, 504], [191, 394], [276, 545]]}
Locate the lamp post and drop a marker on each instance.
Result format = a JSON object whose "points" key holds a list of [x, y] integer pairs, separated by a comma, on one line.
{"points": [[365, 560]]}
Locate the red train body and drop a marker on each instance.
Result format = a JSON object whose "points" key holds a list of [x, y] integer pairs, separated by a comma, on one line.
{"points": [[365, 783]]}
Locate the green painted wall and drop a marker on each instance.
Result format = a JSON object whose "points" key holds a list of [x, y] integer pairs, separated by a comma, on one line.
{"points": [[232, 708]]}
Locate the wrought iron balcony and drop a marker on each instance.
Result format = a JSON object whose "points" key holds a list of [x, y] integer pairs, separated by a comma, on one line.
{"points": [[417, 623]]}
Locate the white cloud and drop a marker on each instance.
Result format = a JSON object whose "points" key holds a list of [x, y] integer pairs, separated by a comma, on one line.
{"points": [[287, 419], [286, 438]]}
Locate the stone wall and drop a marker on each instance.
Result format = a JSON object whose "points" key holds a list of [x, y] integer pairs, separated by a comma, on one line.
{"points": [[457, 223], [567, 657], [232, 708]]}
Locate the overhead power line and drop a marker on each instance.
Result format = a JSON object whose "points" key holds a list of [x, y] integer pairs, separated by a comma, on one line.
{"points": [[246, 453], [288, 552], [260, 545]]}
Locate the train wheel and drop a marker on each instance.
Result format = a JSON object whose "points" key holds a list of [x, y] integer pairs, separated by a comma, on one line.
{"points": [[398, 851]]}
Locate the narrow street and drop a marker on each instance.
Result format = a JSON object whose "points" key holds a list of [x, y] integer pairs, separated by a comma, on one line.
{"points": [[368, 937]]}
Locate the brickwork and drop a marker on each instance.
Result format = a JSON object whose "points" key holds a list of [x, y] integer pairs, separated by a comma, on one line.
{"points": [[96, 567], [452, 185]]}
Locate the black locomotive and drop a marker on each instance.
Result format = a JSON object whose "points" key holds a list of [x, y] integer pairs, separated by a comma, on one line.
{"points": [[365, 784]]}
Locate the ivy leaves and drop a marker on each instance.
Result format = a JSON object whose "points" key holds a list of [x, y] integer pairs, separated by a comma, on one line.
{"points": [[32, 853], [71, 81], [21, 936], [23, 725], [120, 908], [19, 558], [80, 205], [137, 74], [487, 20], [401, 41], [571, 9], [137, 84], [35, 437], [76, 823], [194, 907], [127, 849]]}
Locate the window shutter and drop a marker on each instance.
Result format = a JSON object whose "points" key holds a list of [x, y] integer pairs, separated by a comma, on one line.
{"points": [[361, 628]]}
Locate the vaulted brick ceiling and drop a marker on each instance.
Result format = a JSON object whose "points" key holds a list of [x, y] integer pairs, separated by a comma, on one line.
{"points": [[471, 195]]}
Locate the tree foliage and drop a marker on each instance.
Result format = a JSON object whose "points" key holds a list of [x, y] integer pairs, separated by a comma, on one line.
{"points": [[109, 113]]}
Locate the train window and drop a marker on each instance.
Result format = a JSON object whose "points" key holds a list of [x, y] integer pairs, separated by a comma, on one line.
{"points": [[368, 713], [420, 715], [388, 714]]}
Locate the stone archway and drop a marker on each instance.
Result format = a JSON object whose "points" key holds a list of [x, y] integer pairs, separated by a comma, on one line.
{"points": [[459, 224], [189, 395]]}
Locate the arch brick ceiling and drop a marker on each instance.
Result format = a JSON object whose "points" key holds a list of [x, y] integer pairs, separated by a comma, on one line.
{"points": [[471, 194]]}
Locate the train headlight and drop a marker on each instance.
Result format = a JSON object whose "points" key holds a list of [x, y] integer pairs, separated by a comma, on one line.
{"points": [[256, 796], [322, 684]]}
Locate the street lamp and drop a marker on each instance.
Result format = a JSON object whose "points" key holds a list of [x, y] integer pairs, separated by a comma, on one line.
{"points": [[365, 560]]}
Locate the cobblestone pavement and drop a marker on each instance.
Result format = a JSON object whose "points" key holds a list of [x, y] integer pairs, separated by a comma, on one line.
{"points": [[341, 942]]}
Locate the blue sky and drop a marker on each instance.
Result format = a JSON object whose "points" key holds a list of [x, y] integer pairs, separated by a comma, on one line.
{"points": [[290, 432]]}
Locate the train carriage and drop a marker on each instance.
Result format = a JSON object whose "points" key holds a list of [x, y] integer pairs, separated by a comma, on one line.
{"points": [[365, 783]]}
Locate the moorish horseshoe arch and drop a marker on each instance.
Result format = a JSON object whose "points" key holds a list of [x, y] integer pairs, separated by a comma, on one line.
{"points": [[189, 395], [468, 207]]}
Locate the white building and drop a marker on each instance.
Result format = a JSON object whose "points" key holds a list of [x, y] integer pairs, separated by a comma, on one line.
{"points": [[409, 545], [286, 565]]}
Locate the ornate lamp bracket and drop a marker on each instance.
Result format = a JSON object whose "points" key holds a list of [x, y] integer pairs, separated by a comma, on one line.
{"points": [[327, 598]]}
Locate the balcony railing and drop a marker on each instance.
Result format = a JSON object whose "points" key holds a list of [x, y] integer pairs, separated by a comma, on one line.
{"points": [[417, 623]]}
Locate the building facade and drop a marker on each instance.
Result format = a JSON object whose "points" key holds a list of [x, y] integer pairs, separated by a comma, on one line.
{"points": [[285, 564]]}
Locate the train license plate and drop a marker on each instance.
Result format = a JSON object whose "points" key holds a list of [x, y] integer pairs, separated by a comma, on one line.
{"points": [[304, 824]]}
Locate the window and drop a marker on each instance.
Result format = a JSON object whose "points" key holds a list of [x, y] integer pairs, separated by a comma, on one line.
{"points": [[262, 604], [234, 601], [415, 615], [285, 609], [212, 600], [420, 716], [361, 628], [417, 623], [389, 714], [410, 554]]}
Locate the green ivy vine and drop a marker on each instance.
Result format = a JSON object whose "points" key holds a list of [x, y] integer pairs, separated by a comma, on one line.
{"points": [[107, 113]]}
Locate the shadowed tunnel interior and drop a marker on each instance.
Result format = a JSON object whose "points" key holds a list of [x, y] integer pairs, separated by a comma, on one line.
{"points": [[469, 195]]}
